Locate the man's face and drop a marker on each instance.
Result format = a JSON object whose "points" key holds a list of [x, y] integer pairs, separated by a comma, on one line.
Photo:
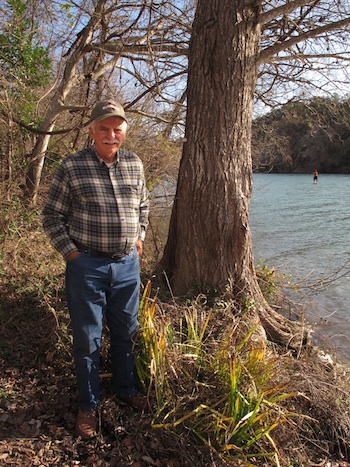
{"points": [[108, 135]]}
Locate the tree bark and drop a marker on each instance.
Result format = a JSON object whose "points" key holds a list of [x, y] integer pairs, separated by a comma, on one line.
{"points": [[35, 166], [209, 239]]}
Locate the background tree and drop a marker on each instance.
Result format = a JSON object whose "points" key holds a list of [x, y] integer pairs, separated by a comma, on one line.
{"points": [[110, 33], [25, 68]]}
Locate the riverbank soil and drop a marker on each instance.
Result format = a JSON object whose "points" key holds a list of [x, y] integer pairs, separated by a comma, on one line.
{"points": [[38, 402]]}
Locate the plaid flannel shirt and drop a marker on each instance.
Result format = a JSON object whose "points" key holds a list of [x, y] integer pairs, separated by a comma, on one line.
{"points": [[104, 208]]}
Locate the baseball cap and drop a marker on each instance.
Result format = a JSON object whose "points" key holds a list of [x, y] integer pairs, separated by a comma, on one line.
{"points": [[105, 109]]}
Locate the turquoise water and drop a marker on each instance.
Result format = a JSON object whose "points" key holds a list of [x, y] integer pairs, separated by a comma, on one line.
{"points": [[302, 229]]}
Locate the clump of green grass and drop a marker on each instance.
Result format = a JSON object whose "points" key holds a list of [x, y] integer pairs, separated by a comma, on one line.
{"points": [[151, 361], [213, 385]]}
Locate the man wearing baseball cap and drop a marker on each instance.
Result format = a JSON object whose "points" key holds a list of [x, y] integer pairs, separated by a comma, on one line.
{"points": [[96, 216]]}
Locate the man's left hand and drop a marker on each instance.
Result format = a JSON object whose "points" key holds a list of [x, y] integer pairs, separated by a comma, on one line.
{"points": [[139, 246]]}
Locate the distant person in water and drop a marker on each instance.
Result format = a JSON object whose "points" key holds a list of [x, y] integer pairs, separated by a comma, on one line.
{"points": [[315, 176]]}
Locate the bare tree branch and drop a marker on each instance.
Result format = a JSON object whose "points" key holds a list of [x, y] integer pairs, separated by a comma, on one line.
{"points": [[284, 9], [312, 33]]}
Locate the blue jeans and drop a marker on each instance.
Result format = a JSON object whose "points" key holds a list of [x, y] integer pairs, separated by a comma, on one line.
{"points": [[98, 287]]}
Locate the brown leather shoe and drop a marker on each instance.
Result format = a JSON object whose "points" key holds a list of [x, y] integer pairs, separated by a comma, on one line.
{"points": [[86, 423], [137, 402]]}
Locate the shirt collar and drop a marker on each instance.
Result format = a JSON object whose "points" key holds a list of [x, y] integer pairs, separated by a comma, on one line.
{"points": [[101, 161]]}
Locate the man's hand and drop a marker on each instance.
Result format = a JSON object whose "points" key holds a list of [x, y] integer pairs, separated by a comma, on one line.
{"points": [[139, 247]]}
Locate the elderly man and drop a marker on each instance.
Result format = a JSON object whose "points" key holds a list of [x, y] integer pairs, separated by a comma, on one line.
{"points": [[96, 215]]}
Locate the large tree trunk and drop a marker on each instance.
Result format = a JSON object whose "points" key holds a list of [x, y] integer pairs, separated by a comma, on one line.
{"points": [[209, 239]]}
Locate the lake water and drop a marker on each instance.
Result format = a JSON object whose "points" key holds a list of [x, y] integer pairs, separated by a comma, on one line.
{"points": [[302, 229]]}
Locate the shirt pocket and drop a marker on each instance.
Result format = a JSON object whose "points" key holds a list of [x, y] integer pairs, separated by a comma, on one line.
{"points": [[130, 195]]}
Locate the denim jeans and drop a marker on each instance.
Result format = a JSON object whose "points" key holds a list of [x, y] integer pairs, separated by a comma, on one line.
{"points": [[98, 287]]}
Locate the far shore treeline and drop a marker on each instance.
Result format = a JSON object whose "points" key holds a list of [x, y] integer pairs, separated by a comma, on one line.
{"points": [[300, 137]]}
